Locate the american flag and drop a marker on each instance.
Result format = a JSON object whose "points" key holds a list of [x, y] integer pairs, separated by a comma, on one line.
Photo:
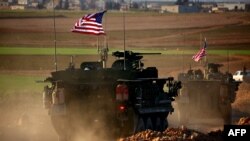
{"points": [[90, 24], [198, 56]]}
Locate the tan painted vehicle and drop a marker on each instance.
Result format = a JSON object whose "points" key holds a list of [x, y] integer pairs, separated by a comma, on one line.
{"points": [[206, 95]]}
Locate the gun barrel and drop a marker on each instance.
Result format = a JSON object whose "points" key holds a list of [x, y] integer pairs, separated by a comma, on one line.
{"points": [[130, 53], [149, 54]]}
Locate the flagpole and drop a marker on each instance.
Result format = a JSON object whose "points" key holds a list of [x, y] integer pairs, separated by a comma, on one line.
{"points": [[200, 48], [205, 42], [200, 40], [182, 61], [97, 44], [105, 45], [55, 51]]}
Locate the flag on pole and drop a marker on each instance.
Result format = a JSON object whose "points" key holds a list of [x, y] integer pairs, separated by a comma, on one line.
{"points": [[198, 56], [90, 24]]}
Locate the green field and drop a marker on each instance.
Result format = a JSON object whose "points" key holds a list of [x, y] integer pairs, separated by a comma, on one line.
{"points": [[93, 51], [20, 83], [19, 93]]}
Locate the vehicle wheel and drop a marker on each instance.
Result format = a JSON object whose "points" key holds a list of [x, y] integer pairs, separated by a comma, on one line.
{"points": [[59, 124], [158, 124], [149, 124], [140, 126], [161, 123], [164, 123], [129, 125], [227, 114], [182, 115]]}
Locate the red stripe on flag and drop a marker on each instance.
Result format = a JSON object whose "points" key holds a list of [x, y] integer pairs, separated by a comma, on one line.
{"points": [[90, 24], [199, 55], [91, 33]]}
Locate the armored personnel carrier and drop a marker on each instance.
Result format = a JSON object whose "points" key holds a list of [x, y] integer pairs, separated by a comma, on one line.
{"points": [[206, 94], [123, 99]]}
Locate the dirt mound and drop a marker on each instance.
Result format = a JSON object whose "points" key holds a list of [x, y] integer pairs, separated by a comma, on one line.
{"points": [[244, 121], [175, 134], [242, 101], [181, 134]]}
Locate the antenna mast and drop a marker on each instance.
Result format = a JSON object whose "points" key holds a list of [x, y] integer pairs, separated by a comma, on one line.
{"points": [[104, 50], [227, 60], [205, 46], [54, 18], [124, 46]]}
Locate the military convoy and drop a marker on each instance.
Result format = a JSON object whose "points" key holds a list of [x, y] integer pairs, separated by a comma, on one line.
{"points": [[206, 94], [123, 99], [127, 98]]}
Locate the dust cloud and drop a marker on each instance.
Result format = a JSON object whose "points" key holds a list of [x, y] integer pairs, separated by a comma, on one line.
{"points": [[23, 117], [204, 125], [242, 102]]}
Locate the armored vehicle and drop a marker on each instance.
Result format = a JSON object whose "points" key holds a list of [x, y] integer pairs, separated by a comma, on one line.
{"points": [[206, 94], [120, 100]]}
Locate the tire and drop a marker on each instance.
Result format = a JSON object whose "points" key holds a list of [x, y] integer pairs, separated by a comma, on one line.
{"points": [[182, 115], [126, 128], [149, 124], [227, 114], [164, 123], [158, 124], [140, 125], [59, 124], [161, 123]]}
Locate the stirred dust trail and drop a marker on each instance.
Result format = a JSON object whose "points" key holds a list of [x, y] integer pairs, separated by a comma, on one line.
{"points": [[23, 117]]}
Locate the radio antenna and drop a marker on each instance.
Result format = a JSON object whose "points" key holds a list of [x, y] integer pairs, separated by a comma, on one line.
{"points": [[227, 60], [55, 51], [124, 45]]}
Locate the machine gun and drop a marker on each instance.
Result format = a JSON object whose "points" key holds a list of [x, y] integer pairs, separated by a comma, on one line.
{"points": [[129, 55], [132, 60]]}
